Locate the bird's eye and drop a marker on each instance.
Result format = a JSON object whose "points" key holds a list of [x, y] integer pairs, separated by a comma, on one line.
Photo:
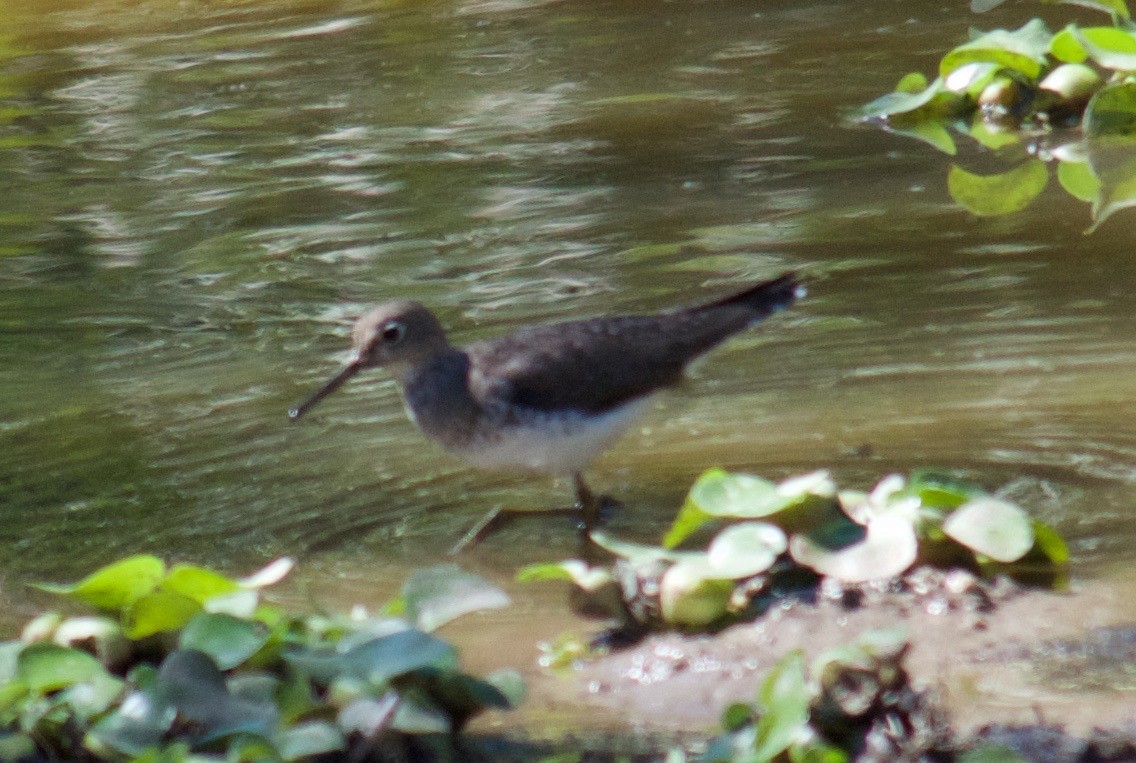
{"points": [[393, 331]]}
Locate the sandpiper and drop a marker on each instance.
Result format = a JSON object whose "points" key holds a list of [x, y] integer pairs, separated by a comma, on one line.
{"points": [[548, 398]]}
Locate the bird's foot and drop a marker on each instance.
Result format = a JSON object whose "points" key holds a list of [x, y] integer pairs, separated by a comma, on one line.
{"points": [[597, 512]]}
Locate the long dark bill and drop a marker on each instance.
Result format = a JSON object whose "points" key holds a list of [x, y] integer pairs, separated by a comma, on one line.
{"points": [[331, 385]]}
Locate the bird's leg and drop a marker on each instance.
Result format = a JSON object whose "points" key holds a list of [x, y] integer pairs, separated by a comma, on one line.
{"points": [[492, 519], [593, 509], [589, 511]]}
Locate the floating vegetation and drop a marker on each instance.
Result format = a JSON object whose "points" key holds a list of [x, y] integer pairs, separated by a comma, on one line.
{"points": [[182, 661], [1020, 93], [774, 539]]}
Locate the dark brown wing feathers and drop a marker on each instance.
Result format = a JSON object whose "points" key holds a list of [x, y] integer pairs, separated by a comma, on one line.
{"points": [[594, 365]]}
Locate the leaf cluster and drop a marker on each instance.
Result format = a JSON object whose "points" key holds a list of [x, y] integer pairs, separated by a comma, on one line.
{"points": [[1009, 90], [183, 663], [804, 527], [854, 702]]}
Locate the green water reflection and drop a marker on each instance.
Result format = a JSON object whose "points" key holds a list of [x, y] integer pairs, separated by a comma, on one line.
{"points": [[198, 197]]}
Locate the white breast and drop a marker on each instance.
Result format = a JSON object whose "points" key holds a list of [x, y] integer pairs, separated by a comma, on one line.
{"points": [[560, 444]]}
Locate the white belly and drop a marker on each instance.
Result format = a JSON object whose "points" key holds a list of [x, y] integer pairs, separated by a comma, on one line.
{"points": [[560, 445]]}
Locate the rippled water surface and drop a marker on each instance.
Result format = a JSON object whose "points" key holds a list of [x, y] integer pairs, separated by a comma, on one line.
{"points": [[198, 197]]}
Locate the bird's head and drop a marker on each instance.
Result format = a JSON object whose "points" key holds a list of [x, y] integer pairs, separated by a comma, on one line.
{"points": [[397, 335]]}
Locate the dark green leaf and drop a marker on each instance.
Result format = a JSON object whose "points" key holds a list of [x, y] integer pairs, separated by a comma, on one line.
{"points": [[930, 131], [137, 725], [736, 715], [381, 659], [228, 640], [691, 594], [16, 746], [190, 682], [46, 667], [436, 595], [369, 716]]}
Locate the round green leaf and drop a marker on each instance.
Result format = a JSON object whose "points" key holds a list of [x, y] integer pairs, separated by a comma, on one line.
{"points": [[1022, 50], [47, 667], [746, 549], [888, 547], [1066, 47], [722, 494], [117, 585], [158, 612], [912, 82], [228, 640], [1111, 47], [692, 595], [197, 583], [1001, 194], [1078, 180], [991, 527]]}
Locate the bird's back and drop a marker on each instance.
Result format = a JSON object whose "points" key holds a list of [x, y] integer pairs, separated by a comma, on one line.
{"points": [[597, 364]]}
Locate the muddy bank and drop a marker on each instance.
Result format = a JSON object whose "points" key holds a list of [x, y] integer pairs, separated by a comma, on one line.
{"points": [[1035, 658]]}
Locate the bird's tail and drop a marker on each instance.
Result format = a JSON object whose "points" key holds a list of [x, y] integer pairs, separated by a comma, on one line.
{"points": [[765, 298]]}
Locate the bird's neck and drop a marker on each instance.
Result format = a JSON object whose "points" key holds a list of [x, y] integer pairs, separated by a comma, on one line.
{"points": [[438, 397]]}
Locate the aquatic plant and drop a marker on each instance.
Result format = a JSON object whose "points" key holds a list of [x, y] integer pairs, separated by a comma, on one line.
{"points": [[779, 536], [855, 702], [1012, 91], [182, 661]]}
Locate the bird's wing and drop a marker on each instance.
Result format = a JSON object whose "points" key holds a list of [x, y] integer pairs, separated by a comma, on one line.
{"points": [[594, 365], [591, 365]]}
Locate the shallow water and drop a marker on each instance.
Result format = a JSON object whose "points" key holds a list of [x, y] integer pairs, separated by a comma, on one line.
{"points": [[199, 196]]}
